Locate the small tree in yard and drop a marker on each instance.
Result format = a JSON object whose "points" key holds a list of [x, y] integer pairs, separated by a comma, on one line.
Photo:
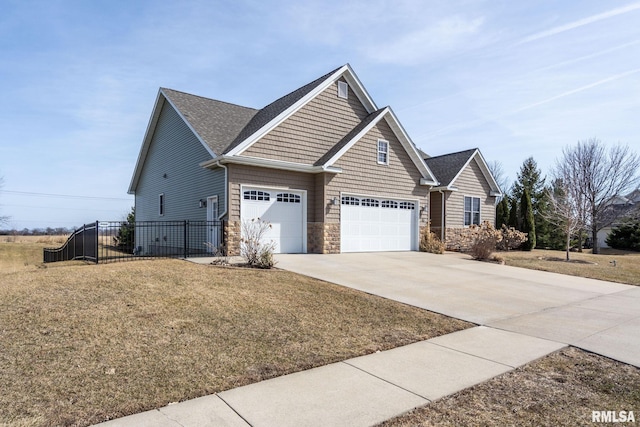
{"points": [[567, 206], [625, 236], [252, 245], [124, 240], [528, 222], [502, 212]]}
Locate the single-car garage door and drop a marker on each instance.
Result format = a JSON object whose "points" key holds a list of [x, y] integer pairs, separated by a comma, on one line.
{"points": [[284, 209], [369, 224]]}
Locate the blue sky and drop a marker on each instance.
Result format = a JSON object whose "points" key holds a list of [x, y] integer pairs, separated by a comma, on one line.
{"points": [[513, 78]]}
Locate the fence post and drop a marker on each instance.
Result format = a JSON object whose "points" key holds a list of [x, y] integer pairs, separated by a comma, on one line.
{"points": [[97, 237], [186, 225]]}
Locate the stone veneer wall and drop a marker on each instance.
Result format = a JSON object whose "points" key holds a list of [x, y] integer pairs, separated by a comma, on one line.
{"points": [[455, 240], [315, 237], [331, 238], [232, 237]]}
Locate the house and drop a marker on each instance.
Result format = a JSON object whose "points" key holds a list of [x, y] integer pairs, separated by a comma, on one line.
{"points": [[466, 194], [330, 170], [618, 209]]}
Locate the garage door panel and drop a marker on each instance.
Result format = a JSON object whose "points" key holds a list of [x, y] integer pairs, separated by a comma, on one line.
{"points": [[284, 213], [379, 225]]}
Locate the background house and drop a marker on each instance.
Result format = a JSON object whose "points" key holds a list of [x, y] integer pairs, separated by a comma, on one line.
{"points": [[618, 209]]}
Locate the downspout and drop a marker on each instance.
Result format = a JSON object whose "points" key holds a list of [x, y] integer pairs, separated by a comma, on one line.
{"points": [[442, 221], [226, 189]]}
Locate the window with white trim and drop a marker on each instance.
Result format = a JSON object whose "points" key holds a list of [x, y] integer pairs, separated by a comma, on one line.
{"points": [[389, 204], [348, 200], [256, 195], [370, 202], [343, 90], [471, 211], [161, 204], [383, 152], [288, 198]]}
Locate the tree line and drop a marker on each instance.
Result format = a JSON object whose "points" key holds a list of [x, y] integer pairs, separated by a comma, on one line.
{"points": [[567, 208]]}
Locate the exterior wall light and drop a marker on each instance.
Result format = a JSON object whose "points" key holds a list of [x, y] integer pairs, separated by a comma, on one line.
{"points": [[202, 203]]}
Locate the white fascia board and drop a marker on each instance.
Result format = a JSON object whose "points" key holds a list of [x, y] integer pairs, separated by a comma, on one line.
{"points": [[271, 164], [146, 141], [410, 148], [351, 78], [444, 188]]}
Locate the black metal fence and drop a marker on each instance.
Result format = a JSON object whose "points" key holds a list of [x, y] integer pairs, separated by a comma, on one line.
{"points": [[81, 245], [105, 241]]}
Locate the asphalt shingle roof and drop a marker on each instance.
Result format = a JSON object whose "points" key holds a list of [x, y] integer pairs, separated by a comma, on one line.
{"points": [[446, 167], [216, 122]]}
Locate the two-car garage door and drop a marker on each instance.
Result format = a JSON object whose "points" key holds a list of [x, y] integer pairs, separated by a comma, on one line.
{"points": [[369, 224]]}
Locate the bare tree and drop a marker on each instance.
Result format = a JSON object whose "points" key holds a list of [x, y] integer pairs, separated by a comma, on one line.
{"points": [[567, 207], [598, 174], [496, 169]]}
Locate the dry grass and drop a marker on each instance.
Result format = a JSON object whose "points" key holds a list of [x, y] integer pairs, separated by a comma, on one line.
{"points": [[585, 264], [85, 343], [561, 389]]}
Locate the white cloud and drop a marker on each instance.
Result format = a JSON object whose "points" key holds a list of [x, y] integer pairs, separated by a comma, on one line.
{"points": [[450, 34], [581, 22]]}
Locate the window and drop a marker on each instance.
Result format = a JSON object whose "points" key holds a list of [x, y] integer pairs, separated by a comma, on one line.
{"points": [[256, 195], [288, 198], [407, 205], [343, 90], [383, 152], [389, 204], [161, 205], [370, 202], [471, 211], [347, 200]]}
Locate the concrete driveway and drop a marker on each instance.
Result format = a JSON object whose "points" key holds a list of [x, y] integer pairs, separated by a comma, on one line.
{"points": [[598, 316]]}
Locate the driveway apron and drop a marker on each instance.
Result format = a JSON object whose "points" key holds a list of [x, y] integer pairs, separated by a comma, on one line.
{"points": [[595, 315]]}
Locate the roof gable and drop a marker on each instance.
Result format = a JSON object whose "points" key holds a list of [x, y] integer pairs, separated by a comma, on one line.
{"points": [[365, 126], [448, 167], [276, 112]]}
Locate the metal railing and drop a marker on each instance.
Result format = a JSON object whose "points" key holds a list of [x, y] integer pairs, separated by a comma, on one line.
{"points": [[81, 245], [105, 241]]}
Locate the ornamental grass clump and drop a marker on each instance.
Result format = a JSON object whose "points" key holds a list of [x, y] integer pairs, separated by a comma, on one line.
{"points": [[429, 242]]}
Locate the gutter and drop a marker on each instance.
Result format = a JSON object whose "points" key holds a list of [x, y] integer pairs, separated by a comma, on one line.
{"points": [[226, 190], [442, 220], [272, 164]]}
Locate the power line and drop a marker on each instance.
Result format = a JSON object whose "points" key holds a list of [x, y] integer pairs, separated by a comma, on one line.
{"points": [[65, 196]]}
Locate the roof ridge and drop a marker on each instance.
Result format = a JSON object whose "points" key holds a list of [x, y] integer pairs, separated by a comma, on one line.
{"points": [[208, 99], [451, 154]]}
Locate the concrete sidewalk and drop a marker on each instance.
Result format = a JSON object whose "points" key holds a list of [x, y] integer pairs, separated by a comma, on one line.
{"points": [[358, 392]]}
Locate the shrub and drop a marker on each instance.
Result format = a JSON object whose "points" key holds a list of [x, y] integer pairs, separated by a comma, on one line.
{"points": [[429, 242], [253, 248], [626, 236], [511, 238], [484, 239]]}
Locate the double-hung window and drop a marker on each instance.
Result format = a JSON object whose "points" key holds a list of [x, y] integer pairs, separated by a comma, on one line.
{"points": [[383, 152], [471, 211]]}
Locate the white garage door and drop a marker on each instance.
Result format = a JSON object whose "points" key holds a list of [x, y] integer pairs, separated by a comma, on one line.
{"points": [[284, 209], [369, 224]]}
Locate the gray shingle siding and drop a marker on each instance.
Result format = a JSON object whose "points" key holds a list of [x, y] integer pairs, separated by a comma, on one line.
{"points": [[176, 152]]}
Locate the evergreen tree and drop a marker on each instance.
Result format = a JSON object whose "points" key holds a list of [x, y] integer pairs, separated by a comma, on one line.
{"points": [[513, 213], [126, 233], [502, 213], [528, 223], [530, 178]]}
